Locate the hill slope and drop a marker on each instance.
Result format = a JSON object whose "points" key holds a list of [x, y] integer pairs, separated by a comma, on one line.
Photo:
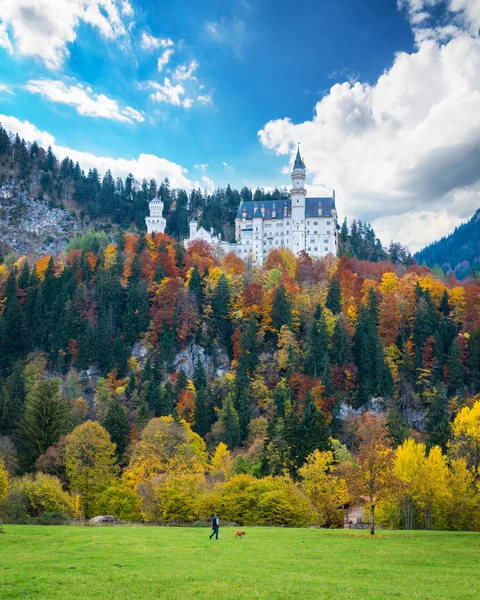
{"points": [[458, 252]]}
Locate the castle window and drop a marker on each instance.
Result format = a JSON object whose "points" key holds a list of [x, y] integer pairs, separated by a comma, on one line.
{"points": [[328, 222], [315, 232], [316, 249], [312, 241], [325, 241], [328, 232], [326, 248], [287, 231], [315, 222]]}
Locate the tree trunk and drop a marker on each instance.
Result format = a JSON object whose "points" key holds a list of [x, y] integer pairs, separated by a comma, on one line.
{"points": [[372, 519]]}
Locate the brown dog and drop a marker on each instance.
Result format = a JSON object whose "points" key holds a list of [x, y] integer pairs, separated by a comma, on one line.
{"points": [[239, 533]]}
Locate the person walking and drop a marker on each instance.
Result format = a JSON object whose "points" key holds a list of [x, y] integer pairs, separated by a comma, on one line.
{"points": [[215, 526]]}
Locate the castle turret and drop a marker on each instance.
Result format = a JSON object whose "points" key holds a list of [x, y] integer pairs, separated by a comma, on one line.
{"points": [[155, 222], [193, 226], [298, 193]]}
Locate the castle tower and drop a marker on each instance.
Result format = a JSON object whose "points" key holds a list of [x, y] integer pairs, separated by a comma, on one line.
{"points": [[298, 193], [193, 226], [156, 221]]}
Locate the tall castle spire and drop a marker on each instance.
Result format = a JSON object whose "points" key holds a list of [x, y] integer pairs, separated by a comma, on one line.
{"points": [[298, 164]]}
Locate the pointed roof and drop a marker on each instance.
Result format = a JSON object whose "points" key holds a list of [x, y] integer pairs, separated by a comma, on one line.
{"points": [[299, 164], [194, 220]]}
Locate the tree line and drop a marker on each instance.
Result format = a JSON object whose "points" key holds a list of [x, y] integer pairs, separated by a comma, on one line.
{"points": [[288, 358]]}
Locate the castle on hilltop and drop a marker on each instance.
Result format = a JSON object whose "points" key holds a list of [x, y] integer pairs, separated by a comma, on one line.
{"points": [[298, 223]]}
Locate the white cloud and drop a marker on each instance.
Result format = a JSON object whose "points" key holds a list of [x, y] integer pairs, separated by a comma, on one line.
{"points": [[203, 166], [185, 72], [44, 28], [225, 164], [145, 166], [4, 89], [204, 99], [163, 59], [127, 8], [4, 39], [208, 184], [403, 153], [463, 14], [187, 103], [171, 94], [149, 42], [84, 99]]}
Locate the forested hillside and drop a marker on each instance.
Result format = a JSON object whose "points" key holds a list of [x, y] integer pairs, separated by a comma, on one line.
{"points": [[458, 253], [45, 202], [207, 375]]}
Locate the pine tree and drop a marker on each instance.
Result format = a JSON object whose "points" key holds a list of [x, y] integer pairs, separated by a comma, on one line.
{"points": [[438, 427], [46, 418], [117, 425], [221, 305], [455, 368], [281, 309], [314, 433], [317, 356], [334, 297], [11, 325], [230, 422], [195, 286], [13, 400], [341, 353]]}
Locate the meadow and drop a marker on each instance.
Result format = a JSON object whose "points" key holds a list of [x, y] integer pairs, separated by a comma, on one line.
{"points": [[46, 562]]}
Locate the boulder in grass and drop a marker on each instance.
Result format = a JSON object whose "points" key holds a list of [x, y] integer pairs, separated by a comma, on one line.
{"points": [[105, 520]]}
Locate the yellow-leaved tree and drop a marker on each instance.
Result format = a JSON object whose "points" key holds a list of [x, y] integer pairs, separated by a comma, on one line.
{"points": [[166, 446], [90, 463], [221, 462], [409, 462], [3, 480], [466, 437], [325, 490]]}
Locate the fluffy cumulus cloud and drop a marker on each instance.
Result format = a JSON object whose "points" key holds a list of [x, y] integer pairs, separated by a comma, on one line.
{"points": [[44, 28], [403, 153], [83, 98], [145, 166]]}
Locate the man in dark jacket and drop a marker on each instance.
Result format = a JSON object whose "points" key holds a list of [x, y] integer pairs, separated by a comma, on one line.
{"points": [[215, 526]]}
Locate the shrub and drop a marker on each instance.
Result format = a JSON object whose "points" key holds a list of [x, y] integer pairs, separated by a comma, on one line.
{"points": [[119, 501], [168, 498], [270, 501], [31, 495]]}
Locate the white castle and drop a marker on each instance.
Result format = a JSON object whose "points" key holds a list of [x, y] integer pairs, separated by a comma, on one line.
{"points": [[297, 223]]}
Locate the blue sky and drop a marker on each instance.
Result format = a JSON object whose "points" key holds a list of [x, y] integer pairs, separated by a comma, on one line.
{"points": [[214, 92]]}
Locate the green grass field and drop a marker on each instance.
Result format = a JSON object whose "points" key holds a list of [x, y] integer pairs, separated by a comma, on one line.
{"points": [[181, 563]]}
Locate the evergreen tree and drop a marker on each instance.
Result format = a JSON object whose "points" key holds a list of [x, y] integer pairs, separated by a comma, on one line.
{"points": [[438, 428], [313, 434], [231, 427], [317, 356], [13, 399], [341, 353], [281, 309], [455, 369], [46, 418], [11, 325], [116, 423], [334, 297], [221, 305]]}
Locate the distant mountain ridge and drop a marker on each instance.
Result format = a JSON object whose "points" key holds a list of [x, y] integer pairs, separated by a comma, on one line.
{"points": [[458, 252]]}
